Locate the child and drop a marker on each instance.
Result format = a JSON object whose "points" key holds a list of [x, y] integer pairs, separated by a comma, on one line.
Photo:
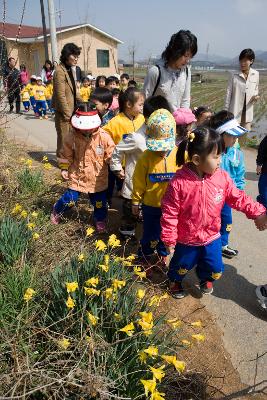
{"points": [[87, 151], [40, 98], [111, 83], [130, 149], [124, 81], [31, 89], [153, 171], [127, 121], [132, 83], [23, 75], [25, 97], [100, 81], [191, 211], [262, 171], [49, 94], [115, 101], [202, 114], [85, 90], [102, 98], [232, 161], [184, 119]]}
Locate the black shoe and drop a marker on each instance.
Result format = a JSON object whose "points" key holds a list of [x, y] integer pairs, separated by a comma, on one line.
{"points": [[227, 252], [176, 290], [127, 230]]}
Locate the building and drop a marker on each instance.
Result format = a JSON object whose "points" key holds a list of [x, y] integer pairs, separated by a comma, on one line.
{"points": [[99, 50]]}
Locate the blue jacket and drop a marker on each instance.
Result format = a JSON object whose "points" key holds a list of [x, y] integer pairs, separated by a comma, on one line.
{"points": [[233, 162]]}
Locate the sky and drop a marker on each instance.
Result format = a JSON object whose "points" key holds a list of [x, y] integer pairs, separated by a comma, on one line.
{"points": [[227, 26]]}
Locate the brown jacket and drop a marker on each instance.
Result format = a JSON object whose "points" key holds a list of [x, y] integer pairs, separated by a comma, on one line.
{"points": [[63, 95], [87, 159]]}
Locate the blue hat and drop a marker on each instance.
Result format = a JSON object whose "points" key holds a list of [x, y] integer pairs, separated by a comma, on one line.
{"points": [[232, 128]]}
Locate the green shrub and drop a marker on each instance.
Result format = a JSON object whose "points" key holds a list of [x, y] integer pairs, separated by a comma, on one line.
{"points": [[30, 181]]}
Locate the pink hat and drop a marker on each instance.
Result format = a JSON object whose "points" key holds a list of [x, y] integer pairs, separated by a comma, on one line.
{"points": [[184, 116]]}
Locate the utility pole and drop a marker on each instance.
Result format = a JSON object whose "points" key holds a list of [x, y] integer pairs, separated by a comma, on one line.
{"points": [[44, 29], [53, 32]]}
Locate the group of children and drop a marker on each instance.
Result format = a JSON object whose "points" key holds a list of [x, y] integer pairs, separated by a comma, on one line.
{"points": [[180, 173]]}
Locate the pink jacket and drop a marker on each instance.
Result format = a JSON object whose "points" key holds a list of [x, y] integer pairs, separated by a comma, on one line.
{"points": [[24, 77], [191, 207]]}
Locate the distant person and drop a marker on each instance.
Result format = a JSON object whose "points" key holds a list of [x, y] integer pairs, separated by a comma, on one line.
{"points": [[32, 85], [11, 81], [100, 81], [85, 89], [111, 82], [124, 81], [40, 98], [243, 90], [25, 97], [171, 77], [184, 119], [115, 102], [49, 95], [47, 71], [202, 114], [23, 75], [132, 83]]}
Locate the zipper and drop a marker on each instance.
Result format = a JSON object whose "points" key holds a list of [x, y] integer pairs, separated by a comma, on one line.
{"points": [[204, 206]]}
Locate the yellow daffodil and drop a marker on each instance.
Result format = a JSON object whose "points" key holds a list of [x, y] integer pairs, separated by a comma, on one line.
{"points": [[108, 293], [152, 351], [117, 316], [104, 268], [118, 259], [186, 342], [71, 286], [64, 343], [47, 166], [131, 257], [178, 365], [140, 294], [156, 395], [117, 284], [155, 300], [142, 357], [146, 316], [45, 158], [146, 322], [89, 231], [28, 162], [138, 271], [91, 291], [196, 324], [128, 329], [23, 214], [127, 263], [81, 257], [35, 236], [149, 385], [113, 241], [17, 209], [94, 281], [174, 323], [92, 318], [198, 337], [158, 373], [28, 295], [100, 245], [70, 303], [34, 214], [31, 226]]}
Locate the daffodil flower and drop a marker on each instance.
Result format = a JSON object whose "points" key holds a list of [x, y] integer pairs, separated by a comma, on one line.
{"points": [[17, 209], [158, 373], [64, 343], [81, 257], [104, 268], [186, 342], [108, 293], [92, 318], [28, 162], [138, 271], [118, 284], [113, 241], [94, 281], [35, 236], [152, 351], [100, 245], [91, 291], [45, 158], [28, 295], [157, 396], [128, 329], [31, 226], [174, 323], [196, 324], [140, 294], [178, 365], [34, 214], [198, 337], [156, 300], [71, 286], [23, 214], [117, 316], [149, 385], [47, 166], [89, 231], [70, 302], [142, 357]]}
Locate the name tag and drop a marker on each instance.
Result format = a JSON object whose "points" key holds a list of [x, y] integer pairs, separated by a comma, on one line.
{"points": [[163, 177], [99, 150]]}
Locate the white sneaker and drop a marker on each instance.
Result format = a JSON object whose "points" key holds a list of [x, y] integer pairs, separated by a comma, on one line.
{"points": [[261, 293]]}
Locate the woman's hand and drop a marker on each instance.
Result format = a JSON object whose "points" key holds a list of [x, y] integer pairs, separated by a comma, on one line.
{"points": [[65, 174], [254, 99], [120, 174]]}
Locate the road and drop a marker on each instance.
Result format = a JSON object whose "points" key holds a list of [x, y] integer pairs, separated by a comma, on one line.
{"points": [[233, 302]]}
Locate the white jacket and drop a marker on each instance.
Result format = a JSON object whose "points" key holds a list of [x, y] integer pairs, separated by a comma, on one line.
{"points": [[129, 149], [237, 88]]}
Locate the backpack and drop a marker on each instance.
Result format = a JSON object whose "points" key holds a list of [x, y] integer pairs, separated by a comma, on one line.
{"points": [[159, 77]]}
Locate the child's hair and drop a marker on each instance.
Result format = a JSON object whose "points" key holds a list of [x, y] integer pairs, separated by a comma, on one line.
{"points": [[154, 103], [132, 82], [126, 76], [99, 77], [203, 143], [33, 80], [115, 91], [130, 95], [22, 67], [85, 107], [111, 79], [220, 118], [198, 111], [181, 132], [103, 95], [85, 79]]}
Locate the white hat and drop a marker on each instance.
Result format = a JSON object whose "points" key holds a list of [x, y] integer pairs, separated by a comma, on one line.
{"points": [[33, 77], [232, 127], [38, 78], [90, 77], [85, 120]]}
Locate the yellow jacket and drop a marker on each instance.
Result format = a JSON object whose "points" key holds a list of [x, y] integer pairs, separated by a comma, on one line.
{"points": [[151, 177], [49, 91], [121, 125], [31, 89], [40, 93], [25, 95], [85, 93]]}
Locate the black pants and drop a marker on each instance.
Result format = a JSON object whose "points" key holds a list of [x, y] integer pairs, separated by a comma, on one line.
{"points": [[127, 216], [14, 95]]}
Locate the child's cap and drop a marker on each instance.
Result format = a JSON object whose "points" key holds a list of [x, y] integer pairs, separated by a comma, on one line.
{"points": [[184, 116], [231, 127], [90, 77], [38, 78], [160, 131], [117, 76], [86, 120]]}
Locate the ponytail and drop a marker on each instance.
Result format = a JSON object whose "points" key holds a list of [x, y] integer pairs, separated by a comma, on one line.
{"points": [[181, 152]]}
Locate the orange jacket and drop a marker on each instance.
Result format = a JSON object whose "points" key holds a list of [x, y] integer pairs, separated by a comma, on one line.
{"points": [[87, 159]]}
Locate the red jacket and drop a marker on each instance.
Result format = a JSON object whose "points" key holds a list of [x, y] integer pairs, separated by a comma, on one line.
{"points": [[191, 207]]}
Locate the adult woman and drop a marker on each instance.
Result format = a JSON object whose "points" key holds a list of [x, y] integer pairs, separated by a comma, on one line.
{"points": [[47, 71], [171, 78], [243, 88], [65, 95]]}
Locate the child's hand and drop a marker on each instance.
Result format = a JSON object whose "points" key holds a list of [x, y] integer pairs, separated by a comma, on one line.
{"points": [[120, 174], [65, 174], [170, 249], [135, 209], [261, 222], [258, 169]]}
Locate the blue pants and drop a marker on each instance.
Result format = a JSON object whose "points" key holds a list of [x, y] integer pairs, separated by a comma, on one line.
{"points": [[33, 103], [226, 224], [208, 261], [262, 197], [26, 105], [49, 102], [151, 242], [112, 179], [70, 197], [41, 107]]}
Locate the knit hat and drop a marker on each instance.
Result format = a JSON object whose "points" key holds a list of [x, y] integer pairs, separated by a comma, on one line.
{"points": [[184, 116], [85, 120], [160, 131], [232, 127]]}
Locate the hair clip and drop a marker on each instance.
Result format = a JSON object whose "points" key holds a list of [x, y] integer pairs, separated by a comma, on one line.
{"points": [[191, 136]]}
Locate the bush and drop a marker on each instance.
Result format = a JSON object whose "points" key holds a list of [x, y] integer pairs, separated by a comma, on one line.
{"points": [[30, 181]]}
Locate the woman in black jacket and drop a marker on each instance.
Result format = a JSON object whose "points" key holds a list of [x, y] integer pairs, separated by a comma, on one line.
{"points": [[262, 171]]}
